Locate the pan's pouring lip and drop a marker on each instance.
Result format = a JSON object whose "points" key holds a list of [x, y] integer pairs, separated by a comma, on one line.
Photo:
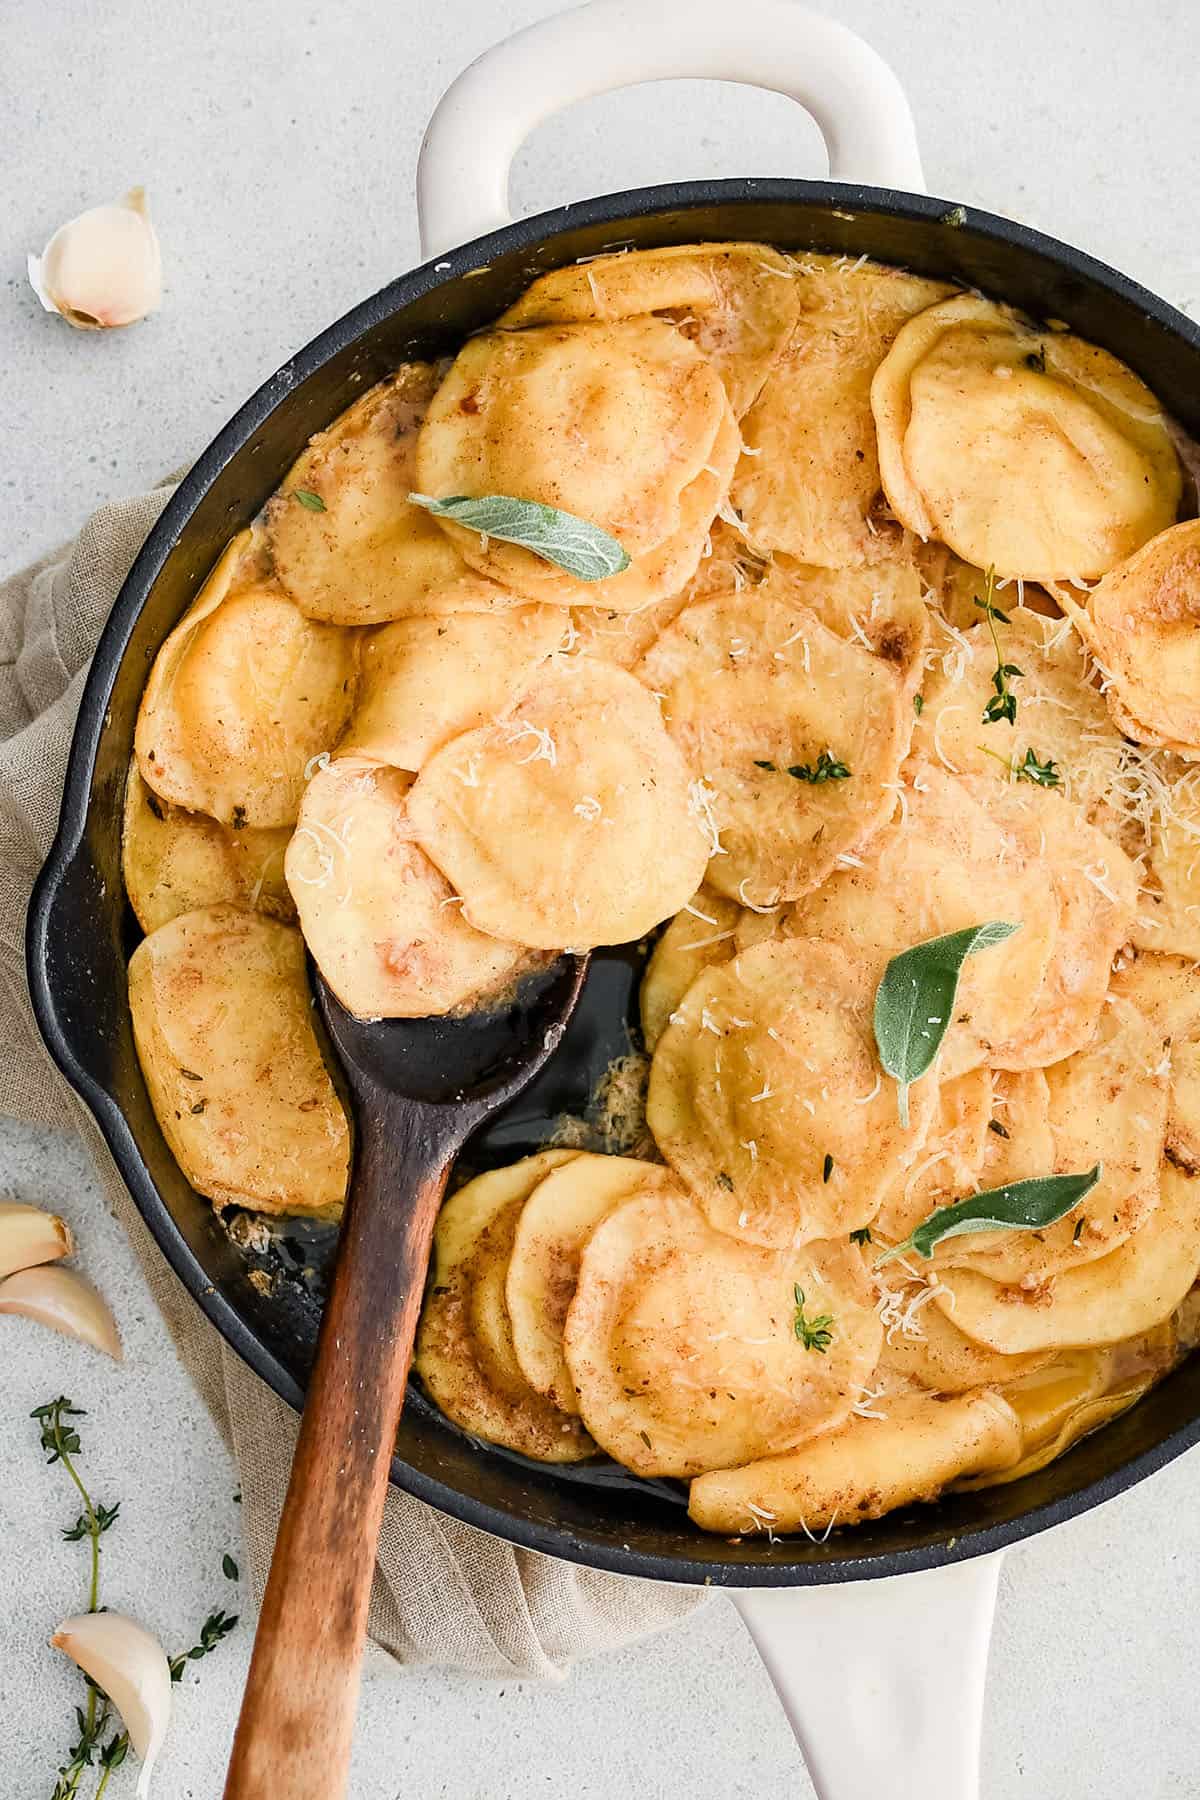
{"points": [[675, 205]]}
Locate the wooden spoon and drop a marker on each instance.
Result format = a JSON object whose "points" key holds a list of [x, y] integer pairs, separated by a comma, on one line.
{"points": [[419, 1087]]}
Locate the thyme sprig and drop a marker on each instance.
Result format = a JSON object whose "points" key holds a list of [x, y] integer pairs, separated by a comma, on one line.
{"points": [[814, 1334], [218, 1625], [92, 1726], [61, 1442], [111, 1757], [1031, 767], [826, 768], [1003, 703]]}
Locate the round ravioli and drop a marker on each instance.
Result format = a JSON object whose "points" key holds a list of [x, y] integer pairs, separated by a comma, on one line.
{"points": [[243, 694], [555, 1223], [175, 861], [880, 607], [464, 1353], [1019, 1136], [1169, 920], [570, 823], [623, 638], [1117, 1296], [809, 481], [385, 928], [687, 1349], [1095, 886], [1069, 1396], [698, 937], [1142, 623], [424, 680], [944, 863], [767, 1098], [1106, 1105], [1062, 733], [1031, 452], [944, 1360], [864, 1468], [736, 302], [624, 425], [347, 545], [223, 1024], [793, 734], [950, 1160], [1167, 990]]}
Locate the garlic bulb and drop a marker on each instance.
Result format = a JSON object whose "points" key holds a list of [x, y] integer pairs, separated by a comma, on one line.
{"points": [[65, 1302], [131, 1667], [28, 1236], [102, 269]]}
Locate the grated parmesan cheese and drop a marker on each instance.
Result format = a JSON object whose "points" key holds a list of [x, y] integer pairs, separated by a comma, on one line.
{"points": [[700, 808]]}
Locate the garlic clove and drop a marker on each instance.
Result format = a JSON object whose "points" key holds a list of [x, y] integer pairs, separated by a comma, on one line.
{"points": [[131, 1667], [65, 1302], [28, 1236], [102, 269]]}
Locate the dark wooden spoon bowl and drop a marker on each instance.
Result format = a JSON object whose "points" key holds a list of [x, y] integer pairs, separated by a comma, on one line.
{"points": [[419, 1088]]}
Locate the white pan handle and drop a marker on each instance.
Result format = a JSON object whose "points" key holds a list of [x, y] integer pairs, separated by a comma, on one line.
{"points": [[485, 116], [883, 1681]]}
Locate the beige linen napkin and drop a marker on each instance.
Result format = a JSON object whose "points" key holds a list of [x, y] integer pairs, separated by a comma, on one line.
{"points": [[444, 1592]]}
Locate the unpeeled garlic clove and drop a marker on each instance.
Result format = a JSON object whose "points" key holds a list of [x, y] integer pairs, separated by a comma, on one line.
{"points": [[29, 1236], [65, 1302], [102, 269], [131, 1667]]}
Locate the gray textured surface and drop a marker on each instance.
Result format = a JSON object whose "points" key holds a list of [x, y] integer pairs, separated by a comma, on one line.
{"points": [[278, 143]]}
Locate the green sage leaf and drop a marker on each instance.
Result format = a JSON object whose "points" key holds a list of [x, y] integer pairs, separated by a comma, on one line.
{"points": [[1019, 1206], [309, 501], [576, 545], [914, 1003]]}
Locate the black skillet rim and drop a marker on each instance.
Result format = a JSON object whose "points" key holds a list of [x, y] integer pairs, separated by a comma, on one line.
{"points": [[524, 234]]}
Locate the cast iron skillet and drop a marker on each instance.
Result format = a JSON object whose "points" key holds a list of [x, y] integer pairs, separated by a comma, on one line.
{"points": [[80, 930]]}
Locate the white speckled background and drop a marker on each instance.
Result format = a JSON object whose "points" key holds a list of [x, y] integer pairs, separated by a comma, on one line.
{"points": [[278, 142]]}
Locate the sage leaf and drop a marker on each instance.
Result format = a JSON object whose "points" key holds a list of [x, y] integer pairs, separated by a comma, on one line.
{"points": [[309, 501], [1019, 1206], [914, 1002], [577, 546]]}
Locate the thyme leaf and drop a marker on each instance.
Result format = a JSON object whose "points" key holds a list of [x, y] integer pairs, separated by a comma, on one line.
{"points": [[826, 768], [1031, 768], [814, 1334]]}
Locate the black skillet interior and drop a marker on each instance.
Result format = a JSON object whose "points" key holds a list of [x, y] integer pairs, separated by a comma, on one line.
{"points": [[80, 930]]}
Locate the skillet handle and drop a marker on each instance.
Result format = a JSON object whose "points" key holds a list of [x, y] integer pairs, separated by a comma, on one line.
{"points": [[484, 117], [882, 1681]]}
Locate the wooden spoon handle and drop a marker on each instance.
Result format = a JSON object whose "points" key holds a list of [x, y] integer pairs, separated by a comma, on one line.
{"points": [[297, 1719]]}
